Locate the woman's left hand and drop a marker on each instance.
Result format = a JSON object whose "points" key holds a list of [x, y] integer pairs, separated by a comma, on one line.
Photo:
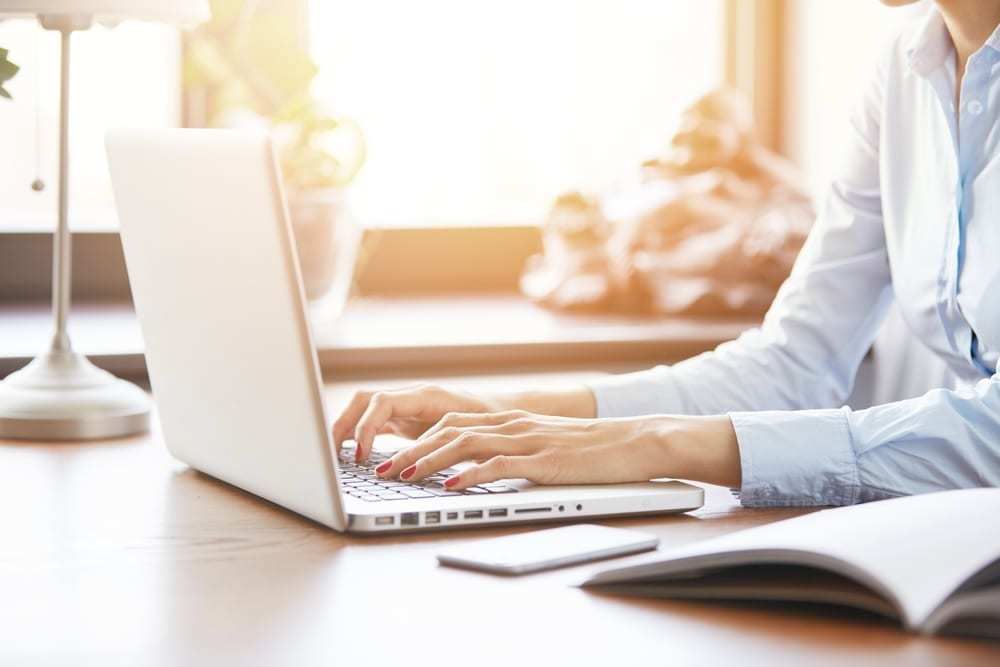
{"points": [[562, 450]]}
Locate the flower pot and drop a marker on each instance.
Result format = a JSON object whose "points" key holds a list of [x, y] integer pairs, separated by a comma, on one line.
{"points": [[326, 241]]}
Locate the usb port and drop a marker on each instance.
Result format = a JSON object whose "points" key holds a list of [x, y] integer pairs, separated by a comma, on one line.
{"points": [[432, 517], [385, 520], [474, 514], [452, 516], [500, 512], [409, 519]]}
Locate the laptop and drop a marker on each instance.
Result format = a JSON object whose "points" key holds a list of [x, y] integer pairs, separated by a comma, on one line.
{"points": [[217, 291]]}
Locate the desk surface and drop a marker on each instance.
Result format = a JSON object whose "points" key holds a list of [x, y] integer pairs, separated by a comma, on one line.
{"points": [[114, 553]]}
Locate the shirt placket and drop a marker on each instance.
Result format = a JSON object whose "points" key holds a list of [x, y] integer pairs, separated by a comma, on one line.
{"points": [[952, 322], [972, 123]]}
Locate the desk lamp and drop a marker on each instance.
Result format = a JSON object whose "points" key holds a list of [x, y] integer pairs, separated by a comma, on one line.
{"points": [[61, 395]]}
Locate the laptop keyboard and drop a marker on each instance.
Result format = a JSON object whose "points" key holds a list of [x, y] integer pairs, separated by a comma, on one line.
{"points": [[359, 480]]}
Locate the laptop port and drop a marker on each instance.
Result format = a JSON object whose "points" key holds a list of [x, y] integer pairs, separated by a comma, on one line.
{"points": [[452, 516], [410, 519], [431, 518], [385, 520], [474, 514], [500, 512], [532, 510]]}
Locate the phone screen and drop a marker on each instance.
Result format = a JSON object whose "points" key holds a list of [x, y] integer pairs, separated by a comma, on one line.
{"points": [[546, 549]]}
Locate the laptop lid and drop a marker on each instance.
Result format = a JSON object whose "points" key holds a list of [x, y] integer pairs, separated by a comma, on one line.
{"points": [[217, 290]]}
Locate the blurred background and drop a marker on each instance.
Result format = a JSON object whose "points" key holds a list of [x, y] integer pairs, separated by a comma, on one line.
{"points": [[475, 148], [474, 112]]}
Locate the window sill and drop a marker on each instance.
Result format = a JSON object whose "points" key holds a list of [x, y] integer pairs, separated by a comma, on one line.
{"points": [[395, 336]]}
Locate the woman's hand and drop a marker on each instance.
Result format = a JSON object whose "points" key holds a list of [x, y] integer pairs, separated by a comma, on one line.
{"points": [[410, 411], [559, 450]]}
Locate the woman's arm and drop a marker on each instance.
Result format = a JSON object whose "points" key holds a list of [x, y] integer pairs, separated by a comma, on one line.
{"points": [[823, 320], [559, 450]]}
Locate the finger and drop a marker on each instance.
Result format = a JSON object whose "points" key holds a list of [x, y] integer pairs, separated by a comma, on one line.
{"points": [[408, 428], [343, 427], [461, 419], [382, 407], [498, 467], [403, 459], [469, 446]]}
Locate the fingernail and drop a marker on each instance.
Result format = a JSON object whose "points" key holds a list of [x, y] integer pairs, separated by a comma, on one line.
{"points": [[451, 481], [408, 473], [382, 468]]}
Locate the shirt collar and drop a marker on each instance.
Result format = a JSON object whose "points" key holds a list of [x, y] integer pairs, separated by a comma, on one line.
{"points": [[931, 44], [994, 41]]}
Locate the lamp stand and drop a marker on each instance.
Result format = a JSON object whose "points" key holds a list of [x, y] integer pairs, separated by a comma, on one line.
{"points": [[60, 395]]}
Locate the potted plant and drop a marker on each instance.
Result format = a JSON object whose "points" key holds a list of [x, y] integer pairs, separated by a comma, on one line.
{"points": [[7, 72], [247, 66]]}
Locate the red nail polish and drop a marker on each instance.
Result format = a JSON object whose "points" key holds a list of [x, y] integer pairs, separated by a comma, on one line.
{"points": [[382, 468], [408, 473], [451, 481]]}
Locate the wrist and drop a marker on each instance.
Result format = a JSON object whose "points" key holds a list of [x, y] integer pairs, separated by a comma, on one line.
{"points": [[697, 448], [566, 402]]}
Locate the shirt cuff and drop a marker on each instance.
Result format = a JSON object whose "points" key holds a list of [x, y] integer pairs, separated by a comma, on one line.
{"points": [[648, 392], [802, 458]]}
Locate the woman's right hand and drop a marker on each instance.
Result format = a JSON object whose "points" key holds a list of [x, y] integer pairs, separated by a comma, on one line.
{"points": [[410, 411], [407, 412]]}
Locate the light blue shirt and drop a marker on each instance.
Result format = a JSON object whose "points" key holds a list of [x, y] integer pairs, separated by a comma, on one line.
{"points": [[915, 214]]}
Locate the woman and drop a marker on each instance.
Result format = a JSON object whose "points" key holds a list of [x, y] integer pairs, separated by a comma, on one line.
{"points": [[915, 213]]}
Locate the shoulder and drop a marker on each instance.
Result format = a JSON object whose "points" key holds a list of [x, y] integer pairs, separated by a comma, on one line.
{"points": [[889, 74]]}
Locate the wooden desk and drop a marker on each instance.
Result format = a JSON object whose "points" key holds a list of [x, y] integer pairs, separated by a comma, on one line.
{"points": [[114, 553]]}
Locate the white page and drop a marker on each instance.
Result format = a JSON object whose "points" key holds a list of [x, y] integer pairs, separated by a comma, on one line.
{"points": [[921, 548]]}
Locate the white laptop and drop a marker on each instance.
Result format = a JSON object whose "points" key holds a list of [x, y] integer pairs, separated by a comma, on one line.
{"points": [[216, 286]]}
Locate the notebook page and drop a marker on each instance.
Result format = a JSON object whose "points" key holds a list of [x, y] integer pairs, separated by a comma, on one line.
{"points": [[920, 547]]}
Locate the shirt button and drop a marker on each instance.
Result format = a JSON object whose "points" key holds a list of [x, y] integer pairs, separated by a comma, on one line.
{"points": [[975, 107]]}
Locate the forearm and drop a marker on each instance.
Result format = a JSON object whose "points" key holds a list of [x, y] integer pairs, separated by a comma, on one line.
{"points": [[698, 448], [571, 401]]}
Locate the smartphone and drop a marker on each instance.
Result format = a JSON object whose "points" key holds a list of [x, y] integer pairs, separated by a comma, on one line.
{"points": [[547, 549]]}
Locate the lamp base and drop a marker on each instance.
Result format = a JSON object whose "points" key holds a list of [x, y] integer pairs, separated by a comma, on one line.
{"points": [[62, 396]]}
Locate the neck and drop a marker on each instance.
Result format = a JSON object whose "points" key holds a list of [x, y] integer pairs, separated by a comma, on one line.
{"points": [[970, 22]]}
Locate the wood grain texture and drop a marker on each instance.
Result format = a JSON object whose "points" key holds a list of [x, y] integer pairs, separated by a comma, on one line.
{"points": [[114, 553]]}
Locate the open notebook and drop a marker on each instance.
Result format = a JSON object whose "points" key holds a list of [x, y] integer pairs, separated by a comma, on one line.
{"points": [[931, 561]]}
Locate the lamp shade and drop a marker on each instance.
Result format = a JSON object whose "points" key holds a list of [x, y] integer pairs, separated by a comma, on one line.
{"points": [[188, 12]]}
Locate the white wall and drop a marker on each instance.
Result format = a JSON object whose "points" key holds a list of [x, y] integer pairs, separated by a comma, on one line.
{"points": [[832, 52]]}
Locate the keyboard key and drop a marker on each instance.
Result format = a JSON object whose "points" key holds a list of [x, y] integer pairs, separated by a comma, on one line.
{"points": [[370, 498], [499, 488], [476, 490], [415, 493], [392, 496], [443, 492]]}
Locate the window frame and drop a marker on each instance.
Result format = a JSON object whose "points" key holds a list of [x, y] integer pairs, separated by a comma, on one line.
{"points": [[99, 267]]}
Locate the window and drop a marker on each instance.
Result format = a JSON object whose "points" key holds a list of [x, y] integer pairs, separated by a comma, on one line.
{"points": [[482, 112], [126, 76], [828, 76]]}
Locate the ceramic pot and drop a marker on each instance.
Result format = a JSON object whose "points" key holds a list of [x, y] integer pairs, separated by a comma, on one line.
{"points": [[326, 241]]}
